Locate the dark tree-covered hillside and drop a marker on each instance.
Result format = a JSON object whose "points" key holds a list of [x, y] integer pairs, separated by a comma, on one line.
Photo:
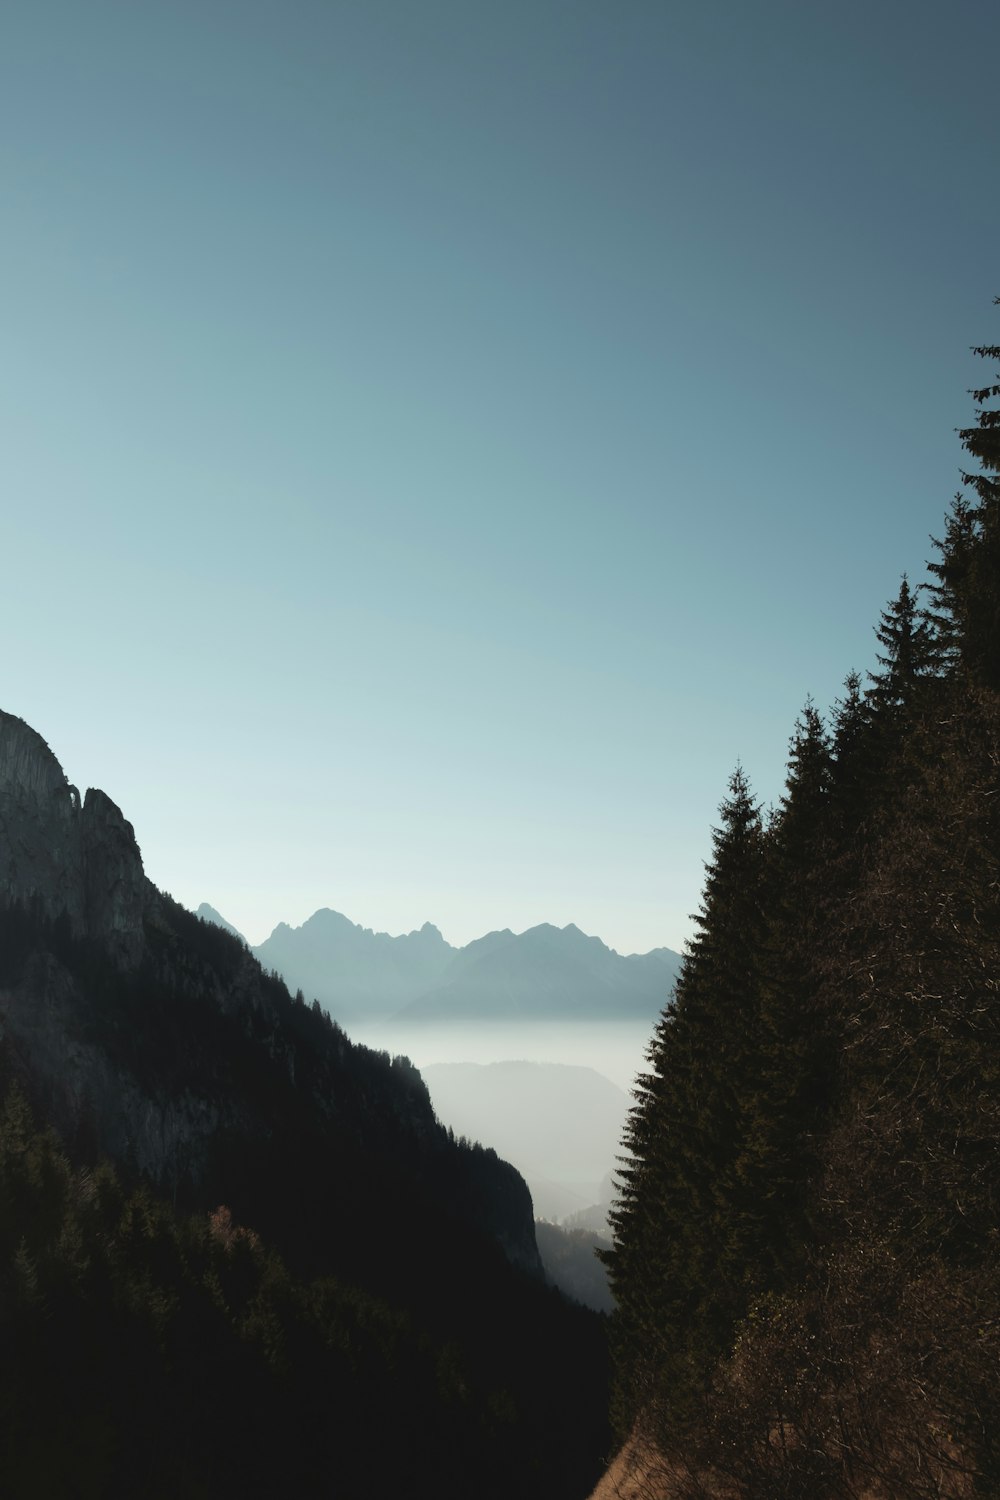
{"points": [[239, 1254], [807, 1252], [146, 1352]]}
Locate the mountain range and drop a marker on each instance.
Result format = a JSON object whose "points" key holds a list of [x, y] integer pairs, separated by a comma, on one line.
{"points": [[547, 973], [237, 1248]]}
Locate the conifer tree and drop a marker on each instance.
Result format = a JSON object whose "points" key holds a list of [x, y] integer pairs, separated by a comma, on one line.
{"points": [[789, 1087], [945, 614], [806, 1252], [688, 1220], [967, 592], [910, 650], [851, 756], [803, 808]]}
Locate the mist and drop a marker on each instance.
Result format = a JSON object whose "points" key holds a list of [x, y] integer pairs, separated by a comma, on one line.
{"points": [[549, 1097], [615, 1049]]}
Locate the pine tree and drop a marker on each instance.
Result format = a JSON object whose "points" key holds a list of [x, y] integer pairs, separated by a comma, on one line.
{"points": [[786, 1088], [805, 1257], [967, 593], [945, 616], [804, 805], [911, 653], [688, 1223], [851, 763]]}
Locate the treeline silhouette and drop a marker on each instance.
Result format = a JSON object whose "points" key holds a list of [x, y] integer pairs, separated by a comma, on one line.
{"points": [[308, 1298], [807, 1235]]}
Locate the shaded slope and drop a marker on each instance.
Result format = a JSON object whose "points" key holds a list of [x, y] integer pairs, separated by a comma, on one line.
{"points": [[155, 1038]]}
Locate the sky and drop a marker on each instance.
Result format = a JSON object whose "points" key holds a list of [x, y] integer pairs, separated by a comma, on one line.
{"points": [[439, 439]]}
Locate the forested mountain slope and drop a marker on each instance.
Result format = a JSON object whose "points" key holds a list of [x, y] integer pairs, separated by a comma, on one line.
{"points": [[247, 1228], [807, 1251]]}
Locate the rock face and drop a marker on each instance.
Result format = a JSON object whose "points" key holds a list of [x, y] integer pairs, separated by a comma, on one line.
{"points": [[116, 891], [64, 858], [40, 845], [157, 1039]]}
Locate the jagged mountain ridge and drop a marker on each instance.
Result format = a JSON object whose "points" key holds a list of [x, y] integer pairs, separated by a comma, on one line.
{"points": [[354, 972], [209, 914], [545, 973]]}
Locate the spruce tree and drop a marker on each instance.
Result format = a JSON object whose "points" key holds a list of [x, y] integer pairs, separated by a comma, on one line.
{"points": [[852, 760], [803, 809], [967, 593], [806, 1254], [910, 651], [688, 1223], [945, 615], [790, 1086]]}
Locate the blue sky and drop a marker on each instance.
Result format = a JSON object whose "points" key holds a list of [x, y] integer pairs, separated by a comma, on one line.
{"points": [[439, 439]]}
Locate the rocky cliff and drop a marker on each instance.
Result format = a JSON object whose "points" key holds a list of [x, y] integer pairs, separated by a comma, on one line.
{"points": [[151, 1036], [292, 1255], [63, 858]]}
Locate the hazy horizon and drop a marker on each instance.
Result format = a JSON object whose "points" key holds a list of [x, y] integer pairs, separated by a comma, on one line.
{"points": [[615, 1049]]}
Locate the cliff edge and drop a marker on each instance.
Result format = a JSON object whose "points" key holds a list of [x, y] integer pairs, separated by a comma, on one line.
{"points": [[63, 858]]}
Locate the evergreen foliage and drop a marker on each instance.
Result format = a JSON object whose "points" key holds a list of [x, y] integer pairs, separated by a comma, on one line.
{"points": [[910, 650], [966, 599], [687, 1219], [364, 1335], [807, 1245], [174, 1356]]}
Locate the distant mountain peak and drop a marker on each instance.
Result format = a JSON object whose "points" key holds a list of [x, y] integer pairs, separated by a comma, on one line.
{"points": [[209, 914], [355, 972], [543, 972], [325, 916]]}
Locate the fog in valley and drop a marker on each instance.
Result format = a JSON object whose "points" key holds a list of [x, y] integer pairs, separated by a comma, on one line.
{"points": [[615, 1049], [529, 1044], [550, 1097], [526, 477]]}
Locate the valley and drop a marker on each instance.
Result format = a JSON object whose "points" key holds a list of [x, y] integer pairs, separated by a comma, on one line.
{"points": [[529, 1044]]}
